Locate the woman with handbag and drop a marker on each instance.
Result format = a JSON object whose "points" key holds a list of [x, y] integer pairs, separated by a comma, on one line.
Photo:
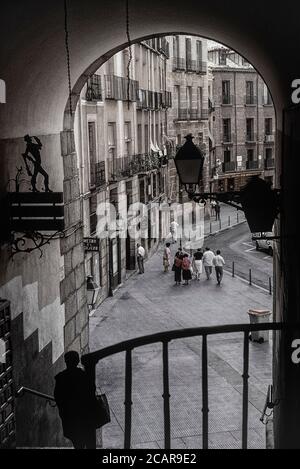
{"points": [[186, 269], [167, 257], [177, 266]]}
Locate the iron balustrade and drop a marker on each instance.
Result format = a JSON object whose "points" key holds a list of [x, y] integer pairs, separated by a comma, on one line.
{"points": [[179, 64], [191, 114], [269, 138], [227, 99], [229, 166], [90, 361], [100, 177], [250, 137], [250, 100], [120, 88]]}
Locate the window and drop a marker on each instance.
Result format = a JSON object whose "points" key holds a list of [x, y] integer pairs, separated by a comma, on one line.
{"points": [[139, 137], [146, 139], [269, 153], [189, 97], [92, 151], [199, 100], [249, 130], [110, 66], [200, 137], [111, 135], [93, 215], [249, 92], [268, 126], [176, 46], [267, 100], [222, 57], [227, 156], [127, 138], [199, 50], [177, 98], [250, 155], [226, 99], [227, 130], [188, 53]]}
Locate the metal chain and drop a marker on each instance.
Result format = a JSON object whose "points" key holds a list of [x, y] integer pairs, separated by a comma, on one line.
{"points": [[130, 52], [68, 56]]}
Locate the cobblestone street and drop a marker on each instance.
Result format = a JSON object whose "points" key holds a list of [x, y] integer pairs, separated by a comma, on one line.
{"points": [[151, 303]]}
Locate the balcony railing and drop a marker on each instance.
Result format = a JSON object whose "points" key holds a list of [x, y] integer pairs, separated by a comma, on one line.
{"points": [[100, 176], [164, 338], [250, 100], [211, 105], [153, 99], [270, 138], [128, 166], [94, 88], [189, 65], [179, 63], [191, 114], [227, 137], [270, 163], [164, 47], [252, 164], [229, 166], [228, 99], [117, 88]]}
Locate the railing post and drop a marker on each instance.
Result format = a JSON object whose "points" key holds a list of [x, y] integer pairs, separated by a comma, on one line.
{"points": [[250, 277], [245, 391], [128, 399], [166, 396], [233, 266], [205, 408], [270, 285]]}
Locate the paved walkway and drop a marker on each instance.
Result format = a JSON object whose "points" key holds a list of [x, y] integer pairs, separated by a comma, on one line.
{"points": [[151, 303]]}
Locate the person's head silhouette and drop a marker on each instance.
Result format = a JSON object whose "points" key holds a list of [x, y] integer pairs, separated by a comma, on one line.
{"points": [[72, 359], [28, 139]]}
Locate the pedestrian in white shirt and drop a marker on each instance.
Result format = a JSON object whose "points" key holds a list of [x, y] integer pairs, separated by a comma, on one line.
{"points": [[173, 229], [208, 258], [140, 258], [219, 264]]}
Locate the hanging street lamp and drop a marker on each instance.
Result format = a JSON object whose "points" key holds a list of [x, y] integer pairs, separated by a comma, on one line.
{"points": [[260, 203], [92, 291]]}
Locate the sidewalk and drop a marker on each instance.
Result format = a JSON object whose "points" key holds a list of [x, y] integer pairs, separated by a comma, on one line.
{"points": [[229, 216], [151, 303]]}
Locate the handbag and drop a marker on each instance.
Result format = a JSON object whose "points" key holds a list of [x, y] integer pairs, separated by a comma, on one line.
{"points": [[102, 411]]}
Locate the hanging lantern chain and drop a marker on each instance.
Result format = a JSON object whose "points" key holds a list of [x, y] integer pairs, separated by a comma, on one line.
{"points": [[130, 52], [68, 57]]}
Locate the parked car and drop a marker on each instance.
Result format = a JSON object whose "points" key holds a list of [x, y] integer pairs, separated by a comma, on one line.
{"points": [[263, 244]]}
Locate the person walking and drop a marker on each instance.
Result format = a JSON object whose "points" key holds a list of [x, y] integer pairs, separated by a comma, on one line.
{"points": [[198, 263], [219, 264], [186, 269], [212, 207], [75, 399], [140, 258], [173, 229], [167, 257], [208, 258], [178, 266], [217, 210]]}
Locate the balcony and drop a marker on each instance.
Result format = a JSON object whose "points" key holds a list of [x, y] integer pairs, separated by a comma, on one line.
{"points": [[100, 176], [129, 166], [270, 138], [211, 105], [179, 64], [228, 100], [153, 100], [117, 88], [191, 114], [94, 89], [252, 165], [227, 137], [270, 163], [229, 167], [250, 100], [164, 47]]}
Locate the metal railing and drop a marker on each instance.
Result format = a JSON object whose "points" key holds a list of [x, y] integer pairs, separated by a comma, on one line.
{"points": [[229, 166], [94, 88], [227, 99], [23, 390], [120, 88], [250, 100], [250, 137], [252, 164], [90, 361], [192, 114]]}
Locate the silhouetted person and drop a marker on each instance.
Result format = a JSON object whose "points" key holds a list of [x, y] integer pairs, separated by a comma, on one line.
{"points": [[34, 149], [217, 210], [75, 398]]}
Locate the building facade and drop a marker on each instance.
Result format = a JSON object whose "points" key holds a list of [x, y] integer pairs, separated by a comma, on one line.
{"points": [[120, 129], [242, 117]]}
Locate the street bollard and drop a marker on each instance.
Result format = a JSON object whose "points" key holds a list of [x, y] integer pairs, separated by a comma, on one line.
{"points": [[210, 228], [229, 221], [270, 285], [233, 269], [220, 224], [250, 277], [237, 217]]}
